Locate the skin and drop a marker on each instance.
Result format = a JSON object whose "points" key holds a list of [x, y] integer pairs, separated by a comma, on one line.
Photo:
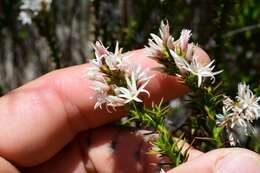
{"points": [[49, 125]]}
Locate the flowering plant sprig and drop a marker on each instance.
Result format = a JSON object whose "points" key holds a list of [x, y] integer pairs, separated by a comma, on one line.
{"points": [[118, 83], [178, 58]]}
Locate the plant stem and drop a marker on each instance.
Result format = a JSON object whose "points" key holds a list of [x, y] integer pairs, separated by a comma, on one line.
{"points": [[154, 119]]}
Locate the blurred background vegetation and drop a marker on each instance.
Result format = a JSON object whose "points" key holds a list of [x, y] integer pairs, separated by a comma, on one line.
{"points": [[228, 30]]}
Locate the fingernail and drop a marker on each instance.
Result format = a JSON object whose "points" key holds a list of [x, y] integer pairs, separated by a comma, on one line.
{"points": [[238, 163]]}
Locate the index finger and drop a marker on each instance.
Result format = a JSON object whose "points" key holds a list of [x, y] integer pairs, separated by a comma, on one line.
{"points": [[39, 118]]}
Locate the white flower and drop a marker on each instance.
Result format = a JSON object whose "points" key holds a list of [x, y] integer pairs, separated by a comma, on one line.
{"points": [[140, 74], [31, 8], [200, 70], [103, 98], [103, 57], [113, 61], [94, 73], [248, 101], [100, 50], [100, 53], [157, 44], [239, 113], [184, 39], [101, 89], [132, 91], [118, 51], [165, 32], [115, 101]]}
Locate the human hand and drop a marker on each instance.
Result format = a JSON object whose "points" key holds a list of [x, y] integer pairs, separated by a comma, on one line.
{"points": [[41, 117]]}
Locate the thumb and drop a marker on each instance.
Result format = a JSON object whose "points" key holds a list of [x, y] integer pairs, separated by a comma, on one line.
{"points": [[229, 160]]}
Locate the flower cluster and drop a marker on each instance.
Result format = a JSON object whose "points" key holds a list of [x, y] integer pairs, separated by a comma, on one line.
{"points": [[31, 8], [239, 113], [116, 81], [180, 53]]}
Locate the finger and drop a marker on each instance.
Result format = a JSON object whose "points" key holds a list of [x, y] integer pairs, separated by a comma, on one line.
{"points": [[106, 150], [7, 167], [47, 113], [116, 150], [232, 160], [68, 160]]}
